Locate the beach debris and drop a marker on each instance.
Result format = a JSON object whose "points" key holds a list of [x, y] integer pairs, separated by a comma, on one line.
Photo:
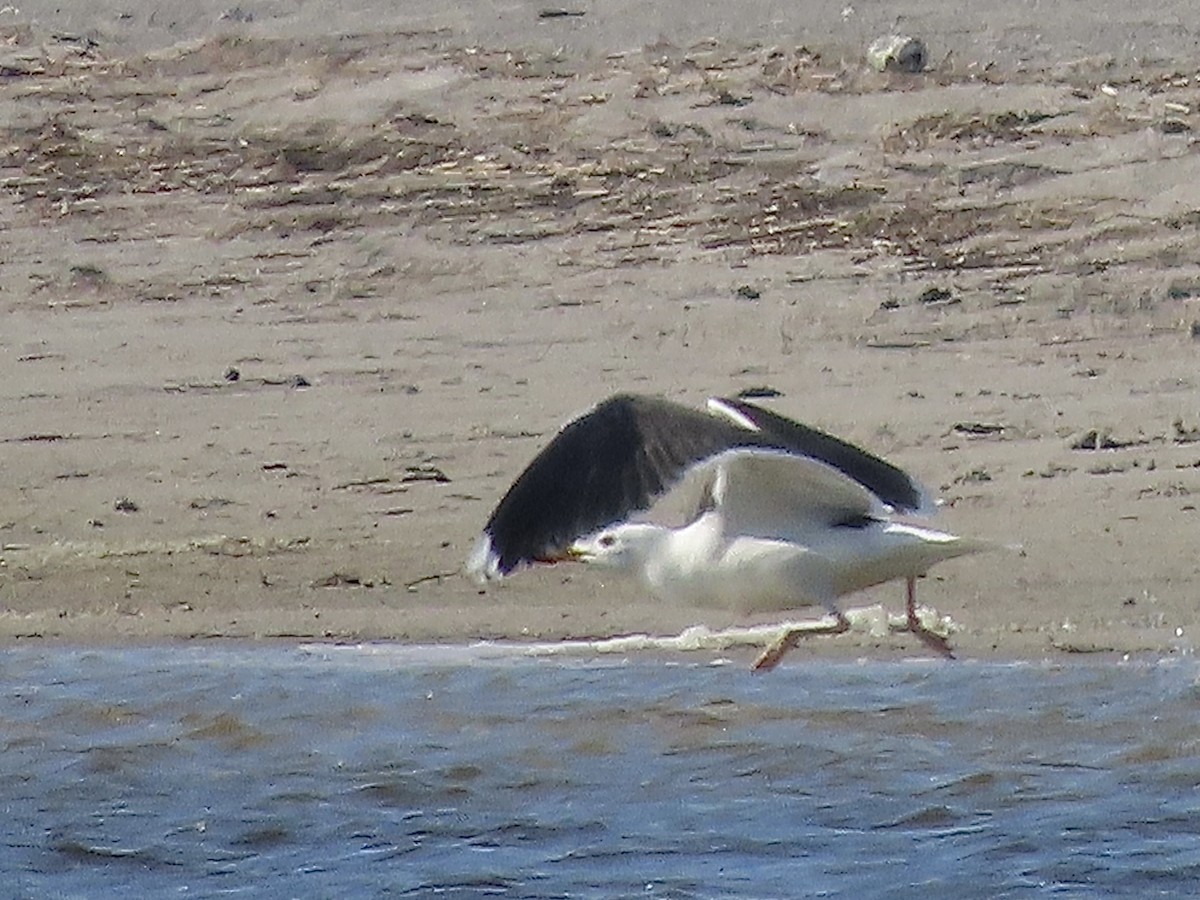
{"points": [[560, 13], [759, 392], [937, 296], [125, 505], [978, 429], [1100, 439], [747, 292], [39, 438], [424, 472], [238, 14], [205, 503], [1168, 490], [974, 476], [898, 344], [726, 97], [348, 579], [1052, 470], [897, 53], [1185, 434], [412, 586], [232, 375], [368, 482]]}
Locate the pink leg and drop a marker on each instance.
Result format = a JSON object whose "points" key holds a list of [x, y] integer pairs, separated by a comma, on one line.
{"points": [[771, 656], [934, 641]]}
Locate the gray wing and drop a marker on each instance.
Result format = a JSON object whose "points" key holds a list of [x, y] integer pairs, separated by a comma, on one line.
{"points": [[889, 483], [770, 494]]}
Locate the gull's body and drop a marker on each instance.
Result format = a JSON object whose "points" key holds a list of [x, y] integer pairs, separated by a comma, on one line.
{"points": [[700, 565], [786, 516]]}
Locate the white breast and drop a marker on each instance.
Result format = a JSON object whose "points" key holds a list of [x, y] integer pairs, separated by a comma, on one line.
{"points": [[700, 567]]}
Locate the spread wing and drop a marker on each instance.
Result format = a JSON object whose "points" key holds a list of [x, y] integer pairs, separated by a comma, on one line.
{"points": [[604, 466], [627, 452], [892, 485]]}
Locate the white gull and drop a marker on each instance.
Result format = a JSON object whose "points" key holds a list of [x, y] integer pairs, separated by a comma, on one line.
{"points": [[781, 515]]}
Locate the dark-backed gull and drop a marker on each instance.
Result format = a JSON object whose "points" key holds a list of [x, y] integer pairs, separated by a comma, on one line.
{"points": [[782, 515]]}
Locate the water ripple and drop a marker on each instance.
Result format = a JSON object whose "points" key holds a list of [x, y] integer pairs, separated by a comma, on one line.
{"points": [[266, 772]]}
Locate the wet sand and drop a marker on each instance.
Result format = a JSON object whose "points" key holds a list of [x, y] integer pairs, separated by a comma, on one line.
{"points": [[290, 296]]}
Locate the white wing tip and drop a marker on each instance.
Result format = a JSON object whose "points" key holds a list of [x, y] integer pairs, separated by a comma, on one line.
{"points": [[719, 407], [931, 536], [483, 565]]}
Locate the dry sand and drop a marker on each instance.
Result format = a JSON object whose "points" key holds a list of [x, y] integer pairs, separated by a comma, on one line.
{"points": [[421, 240]]}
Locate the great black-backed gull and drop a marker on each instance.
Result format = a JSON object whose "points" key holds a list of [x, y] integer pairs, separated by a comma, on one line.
{"points": [[782, 515]]}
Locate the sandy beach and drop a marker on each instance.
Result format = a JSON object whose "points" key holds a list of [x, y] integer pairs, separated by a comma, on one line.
{"points": [[290, 292]]}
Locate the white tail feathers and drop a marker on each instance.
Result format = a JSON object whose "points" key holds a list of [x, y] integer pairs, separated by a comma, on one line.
{"points": [[483, 565]]}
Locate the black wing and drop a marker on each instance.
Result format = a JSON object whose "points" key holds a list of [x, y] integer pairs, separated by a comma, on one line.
{"points": [[607, 464], [892, 485]]}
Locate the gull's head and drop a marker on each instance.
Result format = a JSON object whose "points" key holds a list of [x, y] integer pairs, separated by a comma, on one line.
{"points": [[626, 546]]}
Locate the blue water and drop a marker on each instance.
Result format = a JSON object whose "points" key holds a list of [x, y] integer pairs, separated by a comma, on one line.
{"points": [[216, 770]]}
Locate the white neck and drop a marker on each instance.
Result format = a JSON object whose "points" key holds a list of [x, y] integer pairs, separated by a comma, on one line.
{"points": [[642, 542]]}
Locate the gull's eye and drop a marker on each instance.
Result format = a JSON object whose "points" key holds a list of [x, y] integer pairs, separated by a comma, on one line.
{"points": [[606, 540]]}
